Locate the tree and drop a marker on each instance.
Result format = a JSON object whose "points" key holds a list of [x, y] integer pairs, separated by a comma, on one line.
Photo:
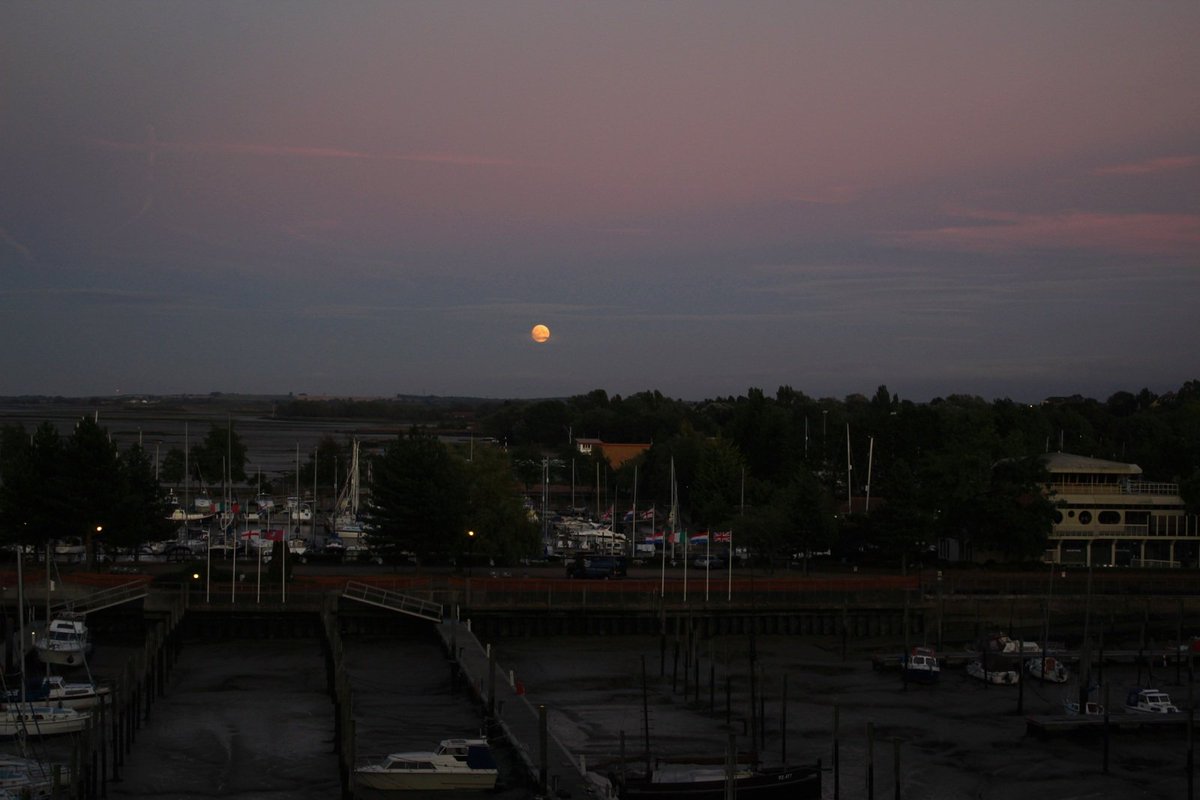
{"points": [[33, 484], [220, 453], [418, 499], [810, 514], [1015, 516], [494, 511], [94, 475], [142, 508], [717, 488], [173, 465]]}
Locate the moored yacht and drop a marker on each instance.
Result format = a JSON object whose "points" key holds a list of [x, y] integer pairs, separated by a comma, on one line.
{"points": [[456, 764]]}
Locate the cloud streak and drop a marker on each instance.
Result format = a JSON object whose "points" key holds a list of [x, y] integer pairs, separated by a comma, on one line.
{"points": [[1151, 166], [293, 151], [1146, 234]]}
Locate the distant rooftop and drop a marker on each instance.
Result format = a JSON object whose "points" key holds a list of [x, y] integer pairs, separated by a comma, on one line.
{"points": [[1068, 462]]}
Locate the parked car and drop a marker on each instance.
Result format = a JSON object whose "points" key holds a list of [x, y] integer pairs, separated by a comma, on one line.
{"points": [[708, 562], [596, 567]]}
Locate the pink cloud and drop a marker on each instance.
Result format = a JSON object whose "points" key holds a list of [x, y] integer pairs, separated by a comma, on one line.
{"points": [[1165, 164], [1143, 234]]}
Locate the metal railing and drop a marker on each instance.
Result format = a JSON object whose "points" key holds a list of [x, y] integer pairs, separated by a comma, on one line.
{"points": [[404, 603], [105, 598]]}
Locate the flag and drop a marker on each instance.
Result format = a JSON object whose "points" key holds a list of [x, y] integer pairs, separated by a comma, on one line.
{"points": [[628, 517], [722, 536], [698, 538], [649, 513], [607, 515]]}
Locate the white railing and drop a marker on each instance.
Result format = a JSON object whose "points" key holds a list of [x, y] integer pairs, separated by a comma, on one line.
{"points": [[404, 603]]}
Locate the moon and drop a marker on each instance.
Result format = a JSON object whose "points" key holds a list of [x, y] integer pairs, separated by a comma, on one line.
{"points": [[540, 333]]}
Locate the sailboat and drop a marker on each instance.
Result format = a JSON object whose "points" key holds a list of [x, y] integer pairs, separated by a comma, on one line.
{"points": [[26, 718], [67, 641], [344, 521]]}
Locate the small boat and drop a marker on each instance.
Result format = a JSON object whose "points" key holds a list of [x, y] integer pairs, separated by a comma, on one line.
{"points": [[1149, 701], [66, 641], [1000, 677], [1003, 644], [713, 783], [54, 690], [456, 764], [1090, 708], [39, 719], [921, 665], [28, 777], [1048, 668]]}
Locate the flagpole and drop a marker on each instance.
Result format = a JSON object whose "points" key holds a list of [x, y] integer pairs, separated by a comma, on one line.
{"points": [[707, 563], [741, 512], [633, 528]]}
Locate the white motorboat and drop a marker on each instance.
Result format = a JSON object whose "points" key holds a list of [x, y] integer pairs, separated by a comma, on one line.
{"points": [[66, 641], [456, 764], [1149, 701], [1000, 677], [1048, 668]]}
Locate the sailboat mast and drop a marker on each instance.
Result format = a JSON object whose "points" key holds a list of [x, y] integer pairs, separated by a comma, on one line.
{"points": [[21, 618]]}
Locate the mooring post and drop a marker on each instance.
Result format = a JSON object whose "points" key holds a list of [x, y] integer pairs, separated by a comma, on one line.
{"points": [[870, 761], [1021, 675], [783, 709], [728, 700], [491, 704], [896, 765], [1191, 738], [543, 755], [1179, 649], [837, 776], [1106, 707], [712, 689], [675, 669]]}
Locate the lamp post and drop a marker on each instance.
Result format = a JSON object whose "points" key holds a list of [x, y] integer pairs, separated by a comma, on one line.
{"points": [[470, 553]]}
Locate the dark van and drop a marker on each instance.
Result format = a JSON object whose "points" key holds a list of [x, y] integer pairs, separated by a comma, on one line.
{"points": [[596, 567]]}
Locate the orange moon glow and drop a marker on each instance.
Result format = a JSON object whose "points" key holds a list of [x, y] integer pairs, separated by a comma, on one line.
{"points": [[540, 333]]}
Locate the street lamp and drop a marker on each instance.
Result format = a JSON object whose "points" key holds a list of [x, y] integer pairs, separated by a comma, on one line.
{"points": [[470, 552]]}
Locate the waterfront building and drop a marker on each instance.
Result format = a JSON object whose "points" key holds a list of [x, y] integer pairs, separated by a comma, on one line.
{"points": [[1107, 515]]}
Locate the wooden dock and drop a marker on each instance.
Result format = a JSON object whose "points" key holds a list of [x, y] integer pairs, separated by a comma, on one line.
{"points": [[557, 772], [1095, 724], [960, 658]]}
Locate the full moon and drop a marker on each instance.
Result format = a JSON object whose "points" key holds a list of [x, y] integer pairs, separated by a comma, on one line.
{"points": [[540, 333]]}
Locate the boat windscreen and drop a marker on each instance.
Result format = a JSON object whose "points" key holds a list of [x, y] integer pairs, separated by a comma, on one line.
{"points": [[479, 757]]}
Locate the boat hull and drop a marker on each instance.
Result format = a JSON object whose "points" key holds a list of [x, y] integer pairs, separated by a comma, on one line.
{"points": [[66, 657], [792, 783], [41, 721], [417, 781]]}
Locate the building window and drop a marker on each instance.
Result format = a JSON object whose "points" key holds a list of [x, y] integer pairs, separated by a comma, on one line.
{"points": [[1109, 517], [1085, 517]]}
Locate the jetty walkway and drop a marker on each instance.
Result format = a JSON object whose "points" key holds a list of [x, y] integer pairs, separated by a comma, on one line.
{"points": [[522, 721]]}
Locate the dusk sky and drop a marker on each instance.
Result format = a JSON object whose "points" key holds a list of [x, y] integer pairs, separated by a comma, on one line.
{"points": [[353, 198]]}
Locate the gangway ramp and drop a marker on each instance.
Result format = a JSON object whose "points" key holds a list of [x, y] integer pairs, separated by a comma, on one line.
{"points": [[104, 598], [395, 601]]}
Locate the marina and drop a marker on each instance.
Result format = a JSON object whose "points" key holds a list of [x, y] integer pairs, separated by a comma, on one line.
{"points": [[574, 711]]}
